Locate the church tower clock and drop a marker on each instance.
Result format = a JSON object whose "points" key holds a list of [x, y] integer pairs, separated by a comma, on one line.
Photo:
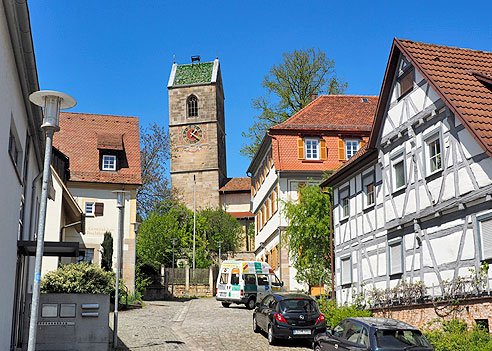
{"points": [[197, 132]]}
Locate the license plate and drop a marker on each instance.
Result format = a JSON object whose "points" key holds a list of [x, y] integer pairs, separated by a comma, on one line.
{"points": [[222, 294], [302, 332]]}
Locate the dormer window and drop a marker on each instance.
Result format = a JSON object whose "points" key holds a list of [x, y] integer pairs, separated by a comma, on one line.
{"points": [[108, 163], [192, 106]]}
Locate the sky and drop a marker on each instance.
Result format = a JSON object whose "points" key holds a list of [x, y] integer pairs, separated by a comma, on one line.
{"points": [[115, 57]]}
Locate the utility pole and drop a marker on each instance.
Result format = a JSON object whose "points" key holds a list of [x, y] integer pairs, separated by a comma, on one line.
{"points": [[172, 284], [194, 224], [220, 245]]}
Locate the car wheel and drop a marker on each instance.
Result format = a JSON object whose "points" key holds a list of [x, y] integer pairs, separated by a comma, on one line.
{"points": [[251, 303], [271, 337], [226, 304], [256, 328]]}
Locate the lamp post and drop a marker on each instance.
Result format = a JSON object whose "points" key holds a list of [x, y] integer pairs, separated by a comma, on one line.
{"points": [[194, 225], [220, 246], [120, 204], [136, 225], [53, 102], [172, 284]]}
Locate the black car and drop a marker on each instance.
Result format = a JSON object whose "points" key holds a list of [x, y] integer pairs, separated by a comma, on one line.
{"points": [[288, 315], [367, 333]]}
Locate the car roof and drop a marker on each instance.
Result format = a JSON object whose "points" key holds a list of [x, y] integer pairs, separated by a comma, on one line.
{"points": [[383, 323], [288, 295]]}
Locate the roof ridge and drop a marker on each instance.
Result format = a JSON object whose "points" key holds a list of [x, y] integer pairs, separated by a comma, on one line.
{"points": [[193, 64], [97, 114], [444, 46]]}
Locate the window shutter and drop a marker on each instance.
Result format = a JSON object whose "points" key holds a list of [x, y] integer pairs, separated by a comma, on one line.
{"points": [[396, 259], [486, 236], [361, 143], [99, 209], [341, 150], [322, 149], [300, 149]]}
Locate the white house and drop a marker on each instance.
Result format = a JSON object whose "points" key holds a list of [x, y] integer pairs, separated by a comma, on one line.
{"points": [[415, 203]]}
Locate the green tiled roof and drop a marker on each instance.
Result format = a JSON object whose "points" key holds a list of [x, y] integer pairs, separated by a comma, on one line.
{"points": [[193, 74]]}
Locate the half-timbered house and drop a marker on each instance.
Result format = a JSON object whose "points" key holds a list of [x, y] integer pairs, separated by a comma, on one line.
{"points": [[415, 203]]}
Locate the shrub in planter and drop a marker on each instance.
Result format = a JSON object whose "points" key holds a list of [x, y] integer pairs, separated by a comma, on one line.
{"points": [[81, 278], [453, 335], [334, 314]]}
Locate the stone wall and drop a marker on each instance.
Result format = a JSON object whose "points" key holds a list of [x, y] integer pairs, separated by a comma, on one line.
{"points": [[207, 188], [423, 315]]}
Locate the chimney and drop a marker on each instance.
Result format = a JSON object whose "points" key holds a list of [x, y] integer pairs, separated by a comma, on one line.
{"points": [[314, 97]]}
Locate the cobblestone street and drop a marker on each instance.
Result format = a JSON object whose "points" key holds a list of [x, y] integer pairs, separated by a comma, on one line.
{"points": [[201, 324]]}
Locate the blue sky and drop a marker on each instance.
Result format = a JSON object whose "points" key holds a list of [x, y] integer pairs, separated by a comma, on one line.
{"points": [[115, 57]]}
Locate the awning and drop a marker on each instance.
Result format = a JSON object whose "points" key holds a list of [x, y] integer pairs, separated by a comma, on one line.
{"points": [[51, 248], [110, 141]]}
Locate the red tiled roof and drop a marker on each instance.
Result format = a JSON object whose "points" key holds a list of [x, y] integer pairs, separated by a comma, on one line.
{"points": [[80, 136], [334, 112], [460, 76], [241, 214], [237, 184]]}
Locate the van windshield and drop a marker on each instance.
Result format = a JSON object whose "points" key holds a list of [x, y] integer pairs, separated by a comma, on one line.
{"points": [[298, 305], [399, 339], [224, 277]]}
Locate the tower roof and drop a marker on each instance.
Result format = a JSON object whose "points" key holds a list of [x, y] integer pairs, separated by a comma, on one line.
{"points": [[193, 73]]}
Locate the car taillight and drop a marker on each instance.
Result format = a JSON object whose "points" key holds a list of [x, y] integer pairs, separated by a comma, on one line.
{"points": [[242, 292], [321, 318], [216, 291], [279, 317]]}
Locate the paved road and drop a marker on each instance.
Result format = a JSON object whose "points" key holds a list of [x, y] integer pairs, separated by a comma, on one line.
{"points": [[195, 325]]}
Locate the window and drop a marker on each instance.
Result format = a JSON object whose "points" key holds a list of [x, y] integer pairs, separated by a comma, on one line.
{"points": [[340, 329], [344, 203], [351, 147], [485, 234], [353, 333], [346, 267], [406, 82], [249, 279], [89, 208], [86, 256], [370, 194], [192, 106], [312, 148], [13, 149], [398, 171], [235, 279], [109, 163], [434, 159], [395, 257], [262, 279], [224, 278], [275, 280]]}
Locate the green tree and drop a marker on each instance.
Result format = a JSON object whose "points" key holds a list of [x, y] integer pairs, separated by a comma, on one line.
{"points": [[289, 87], [107, 252], [307, 234]]}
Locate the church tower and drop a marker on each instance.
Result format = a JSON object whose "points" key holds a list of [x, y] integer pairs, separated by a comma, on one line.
{"points": [[197, 132]]}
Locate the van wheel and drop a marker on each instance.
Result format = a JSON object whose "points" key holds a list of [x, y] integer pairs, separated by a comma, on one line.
{"points": [[251, 303], [271, 338], [226, 304]]}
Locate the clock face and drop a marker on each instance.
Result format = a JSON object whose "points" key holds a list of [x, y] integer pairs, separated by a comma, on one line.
{"points": [[192, 134]]}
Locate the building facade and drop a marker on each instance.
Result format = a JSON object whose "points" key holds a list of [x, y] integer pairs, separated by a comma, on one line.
{"points": [[104, 154], [197, 133], [415, 203], [313, 142]]}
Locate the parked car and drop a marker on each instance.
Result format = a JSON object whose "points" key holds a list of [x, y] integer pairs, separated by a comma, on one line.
{"points": [[368, 334], [288, 315]]}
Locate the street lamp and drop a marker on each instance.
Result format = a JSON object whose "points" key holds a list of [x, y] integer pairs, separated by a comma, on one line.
{"points": [[53, 102], [172, 284], [120, 204], [136, 225], [220, 246]]}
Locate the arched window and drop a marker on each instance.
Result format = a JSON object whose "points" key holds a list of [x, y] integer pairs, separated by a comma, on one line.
{"points": [[192, 106]]}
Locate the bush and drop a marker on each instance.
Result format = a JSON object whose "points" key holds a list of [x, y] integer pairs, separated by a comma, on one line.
{"points": [[453, 336], [334, 314]]}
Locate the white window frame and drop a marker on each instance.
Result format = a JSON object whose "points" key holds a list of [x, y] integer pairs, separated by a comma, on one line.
{"points": [[398, 242], [92, 213], [368, 179], [342, 260], [344, 195], [485, 248], [311, 140], [428, 139], [396, 159], [346, 148], [113, 161]]}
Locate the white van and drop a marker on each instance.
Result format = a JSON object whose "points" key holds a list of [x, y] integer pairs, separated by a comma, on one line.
{"points": [[245, 282]]}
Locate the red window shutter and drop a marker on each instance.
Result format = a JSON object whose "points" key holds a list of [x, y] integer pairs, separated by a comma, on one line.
{"points": [[361, 144], [341, 149], [300, 149], [99, 209], [322, 149]]}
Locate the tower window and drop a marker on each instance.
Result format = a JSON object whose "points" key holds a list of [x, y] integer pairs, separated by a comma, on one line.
{"points": [[192, 106]]}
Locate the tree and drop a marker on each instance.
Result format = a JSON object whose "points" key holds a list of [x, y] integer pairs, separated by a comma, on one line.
{"points": [[107, 252], [171, 220], [154, 155], [301, 74], [308, 234]]}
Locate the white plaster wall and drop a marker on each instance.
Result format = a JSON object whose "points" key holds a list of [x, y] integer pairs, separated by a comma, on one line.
{"points": [[264, 189]]}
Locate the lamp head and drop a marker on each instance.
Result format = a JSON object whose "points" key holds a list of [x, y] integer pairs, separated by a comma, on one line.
{"points": [[53, 102]]}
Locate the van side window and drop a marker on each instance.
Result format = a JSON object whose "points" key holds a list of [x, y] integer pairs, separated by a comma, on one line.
{"points": [[275, 281], [262, 279], [235, 279], [224, 277], [249, 279]]}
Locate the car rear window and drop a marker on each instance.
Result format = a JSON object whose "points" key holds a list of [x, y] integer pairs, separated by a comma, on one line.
{"points": [[400, 339], [298, 305], [224, 278]]}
